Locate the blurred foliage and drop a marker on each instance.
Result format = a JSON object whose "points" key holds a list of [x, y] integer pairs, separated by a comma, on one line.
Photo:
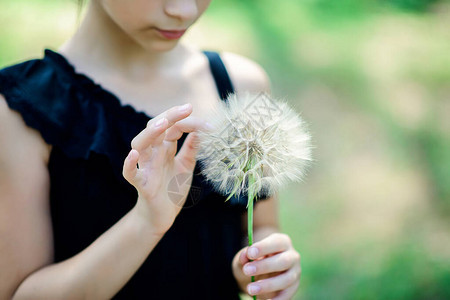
{"points": [[417, 5], [373, 80], [276, 25], [387, 63]]}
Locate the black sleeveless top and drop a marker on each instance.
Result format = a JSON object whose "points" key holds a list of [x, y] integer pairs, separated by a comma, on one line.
{"points": [[91, 131]]}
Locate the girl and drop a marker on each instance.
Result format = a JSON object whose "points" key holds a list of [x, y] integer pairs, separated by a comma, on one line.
{"points": [[84, 217]]}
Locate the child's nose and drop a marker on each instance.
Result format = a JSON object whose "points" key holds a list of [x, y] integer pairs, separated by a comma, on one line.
{"points": [[182, 9]]}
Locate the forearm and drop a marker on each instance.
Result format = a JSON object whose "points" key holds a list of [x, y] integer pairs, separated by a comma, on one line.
{"points": [[262, 232], [99, 271], [259, 233]]}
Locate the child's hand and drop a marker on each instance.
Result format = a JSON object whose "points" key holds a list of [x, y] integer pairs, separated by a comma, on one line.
{"points": [[276, 268], [153, 150]]}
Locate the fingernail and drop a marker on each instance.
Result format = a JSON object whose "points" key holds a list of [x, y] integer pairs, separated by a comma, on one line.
{"points": [[159, 122], [253, 289], [185, 107], [253, 252], [249, 270]]}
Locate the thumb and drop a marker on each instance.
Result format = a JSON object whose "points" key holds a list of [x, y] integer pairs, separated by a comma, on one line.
{"points": [[187, 153]]}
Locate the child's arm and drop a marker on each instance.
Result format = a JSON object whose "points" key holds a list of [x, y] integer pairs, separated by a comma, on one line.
{"points": [[27, 270]]}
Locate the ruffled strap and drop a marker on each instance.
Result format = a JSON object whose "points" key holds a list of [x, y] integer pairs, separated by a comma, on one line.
{"points": [[69, 110]]}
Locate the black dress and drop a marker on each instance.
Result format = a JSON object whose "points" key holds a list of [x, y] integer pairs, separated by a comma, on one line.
{"points": [[90, 131]]}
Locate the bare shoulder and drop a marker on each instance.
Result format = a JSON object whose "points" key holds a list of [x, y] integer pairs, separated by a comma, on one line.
{"points": [[246, 74], [24, 192], [15, 135]]}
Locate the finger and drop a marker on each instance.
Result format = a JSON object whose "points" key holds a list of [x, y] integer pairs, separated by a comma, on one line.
{"points": [[189, 124], [149, 135], [274, 284], [174, 133], [171, 149], [175, 114], [276, 263], [243, 258], [130, 170], [187, 153], [274, 243], [151, 154], [287, 293]]}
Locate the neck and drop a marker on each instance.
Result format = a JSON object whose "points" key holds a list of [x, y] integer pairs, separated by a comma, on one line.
{"points": [[101, 43]]}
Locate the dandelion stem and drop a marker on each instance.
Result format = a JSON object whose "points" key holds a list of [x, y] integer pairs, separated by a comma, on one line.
{"points": [[250, 216]]}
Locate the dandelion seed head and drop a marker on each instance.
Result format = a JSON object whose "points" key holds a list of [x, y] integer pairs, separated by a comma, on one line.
{"points": [[257, 136]]}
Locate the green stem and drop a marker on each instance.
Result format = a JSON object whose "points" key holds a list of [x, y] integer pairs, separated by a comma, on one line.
{"points": [[250, 217]]}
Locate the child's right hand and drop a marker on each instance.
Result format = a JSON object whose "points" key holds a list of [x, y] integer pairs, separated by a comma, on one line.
{"points": [[153, 150]]}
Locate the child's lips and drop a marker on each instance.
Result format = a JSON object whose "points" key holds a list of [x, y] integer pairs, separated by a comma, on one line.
{"points": [[171, 34]]}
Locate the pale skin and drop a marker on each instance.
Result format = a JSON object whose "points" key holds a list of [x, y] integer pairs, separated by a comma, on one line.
{"points": [[133, 62]]}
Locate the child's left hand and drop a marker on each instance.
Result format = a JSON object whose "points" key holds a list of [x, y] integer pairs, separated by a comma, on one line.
{"points": [[276, 268]]}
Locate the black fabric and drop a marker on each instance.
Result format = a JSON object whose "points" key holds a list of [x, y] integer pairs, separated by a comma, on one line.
{"points": [[220, 74], [91, 131]]}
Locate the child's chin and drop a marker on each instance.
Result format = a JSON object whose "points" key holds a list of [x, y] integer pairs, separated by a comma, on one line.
{"points": [[160, 46]]}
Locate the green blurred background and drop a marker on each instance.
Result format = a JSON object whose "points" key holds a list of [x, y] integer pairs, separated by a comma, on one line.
{"points": [[372, 78]]}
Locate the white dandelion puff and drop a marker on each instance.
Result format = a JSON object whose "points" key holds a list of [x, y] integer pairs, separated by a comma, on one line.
{"points": [[257, 144]]}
